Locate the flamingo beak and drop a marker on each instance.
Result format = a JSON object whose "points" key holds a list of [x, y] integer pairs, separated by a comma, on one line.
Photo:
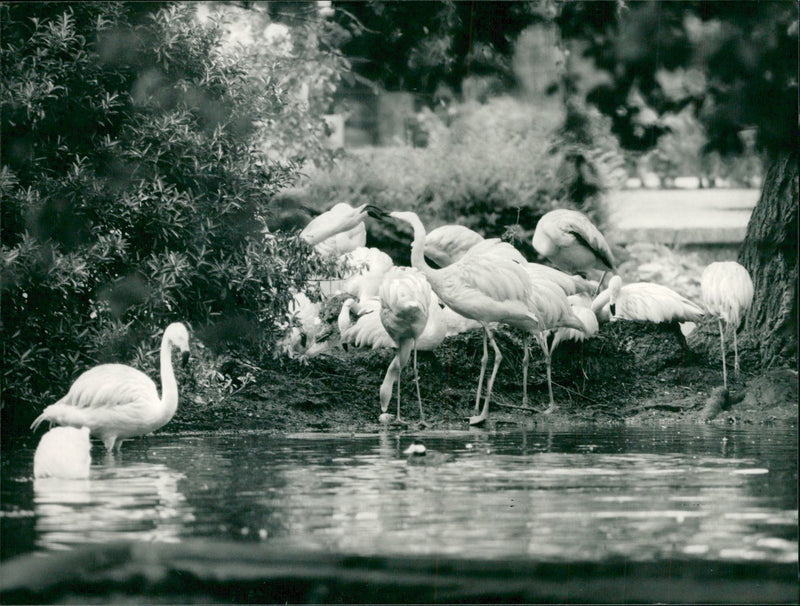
{"points": [[613, 309], [184, 358], [376, 212]]}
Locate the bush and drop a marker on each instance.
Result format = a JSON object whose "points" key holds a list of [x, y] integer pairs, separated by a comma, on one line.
{"points": [[134, 193], [496, 170]]}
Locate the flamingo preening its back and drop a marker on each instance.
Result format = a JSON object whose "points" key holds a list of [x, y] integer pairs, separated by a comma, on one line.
{"points": [[573, 243], [727, 291], [116, 401], [63, 452]]}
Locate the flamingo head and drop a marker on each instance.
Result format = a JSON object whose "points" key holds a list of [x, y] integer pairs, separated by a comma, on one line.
{"points": [[614, 286], [178, 336]]}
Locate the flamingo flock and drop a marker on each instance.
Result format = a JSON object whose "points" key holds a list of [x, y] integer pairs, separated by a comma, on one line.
{"points": [[474, 283], [480, 283]]}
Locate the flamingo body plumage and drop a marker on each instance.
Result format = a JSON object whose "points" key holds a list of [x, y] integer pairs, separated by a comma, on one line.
{"points": [[63, 452], [447, 244], [405, 296], [116, 401]]}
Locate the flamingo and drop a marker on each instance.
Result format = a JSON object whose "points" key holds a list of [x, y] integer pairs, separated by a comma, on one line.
{"points": [[338, 230], [572, 242], [645, 302], [308, 339], [405, 297], [116, 401], [482, 286], [63, 452], [727, 291]]}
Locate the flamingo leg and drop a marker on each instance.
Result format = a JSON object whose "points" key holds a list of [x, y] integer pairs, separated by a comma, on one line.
{"points": [[548, 358], [498, 357], [722, 347], [735, 356], [399, 376], [484, 361], [599, 285], [416, 382], [525, 360]]}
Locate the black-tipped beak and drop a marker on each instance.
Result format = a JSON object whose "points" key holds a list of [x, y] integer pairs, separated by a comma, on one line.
{"points": [[184, 358], [376, 213], [613, 309]]}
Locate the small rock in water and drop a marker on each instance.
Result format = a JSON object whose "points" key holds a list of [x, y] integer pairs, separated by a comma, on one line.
{"points": [[386, 418]]}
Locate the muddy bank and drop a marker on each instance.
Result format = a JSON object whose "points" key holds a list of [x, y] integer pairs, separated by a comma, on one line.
{"points": [[630, 372]]}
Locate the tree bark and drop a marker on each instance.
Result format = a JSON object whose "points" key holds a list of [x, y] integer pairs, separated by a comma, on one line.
{"points": [[769, 253]]}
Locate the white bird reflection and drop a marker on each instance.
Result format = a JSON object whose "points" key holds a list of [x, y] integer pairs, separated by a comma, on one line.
{"points": [[136, 501]]}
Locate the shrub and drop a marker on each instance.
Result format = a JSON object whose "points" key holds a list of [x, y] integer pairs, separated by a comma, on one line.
{"points": [[134, 193]]}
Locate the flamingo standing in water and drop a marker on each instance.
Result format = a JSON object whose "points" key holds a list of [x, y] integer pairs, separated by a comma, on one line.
{"points": [[727, 291], [572, 242], [405, 296], [482, 286], [116, 401]]}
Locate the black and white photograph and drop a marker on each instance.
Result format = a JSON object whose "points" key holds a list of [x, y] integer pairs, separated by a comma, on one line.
{"points": [[399, 301]]}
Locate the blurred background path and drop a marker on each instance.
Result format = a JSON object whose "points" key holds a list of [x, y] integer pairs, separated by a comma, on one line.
{"points": [[693, 217]]}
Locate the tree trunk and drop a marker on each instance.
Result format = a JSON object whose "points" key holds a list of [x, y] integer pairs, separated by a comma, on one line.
{"points": [[769, 253]]}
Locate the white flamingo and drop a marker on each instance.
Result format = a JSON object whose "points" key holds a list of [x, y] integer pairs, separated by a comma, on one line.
{"points": [[116, 401], [405, 296], [63, 452], [645, 302], [572, 242], [727, 291], [338, 230], [483, 286], [306, 338]]}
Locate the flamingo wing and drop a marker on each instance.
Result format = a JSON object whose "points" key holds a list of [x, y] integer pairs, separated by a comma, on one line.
{"points": [[110, 386]]}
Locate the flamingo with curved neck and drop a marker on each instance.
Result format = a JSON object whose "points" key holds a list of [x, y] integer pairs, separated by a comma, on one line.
{"points": [[116, 401]]}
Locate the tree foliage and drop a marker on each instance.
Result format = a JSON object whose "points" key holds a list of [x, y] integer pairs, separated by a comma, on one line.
{"points": [[418, 45], [134, 191], [735, 63]]}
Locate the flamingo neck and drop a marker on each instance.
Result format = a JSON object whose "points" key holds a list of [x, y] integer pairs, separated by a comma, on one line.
{"points": [[418, 250], [169, 386]]}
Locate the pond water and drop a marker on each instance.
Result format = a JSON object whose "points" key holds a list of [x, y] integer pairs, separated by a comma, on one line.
{"points": [[642, 494]]}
